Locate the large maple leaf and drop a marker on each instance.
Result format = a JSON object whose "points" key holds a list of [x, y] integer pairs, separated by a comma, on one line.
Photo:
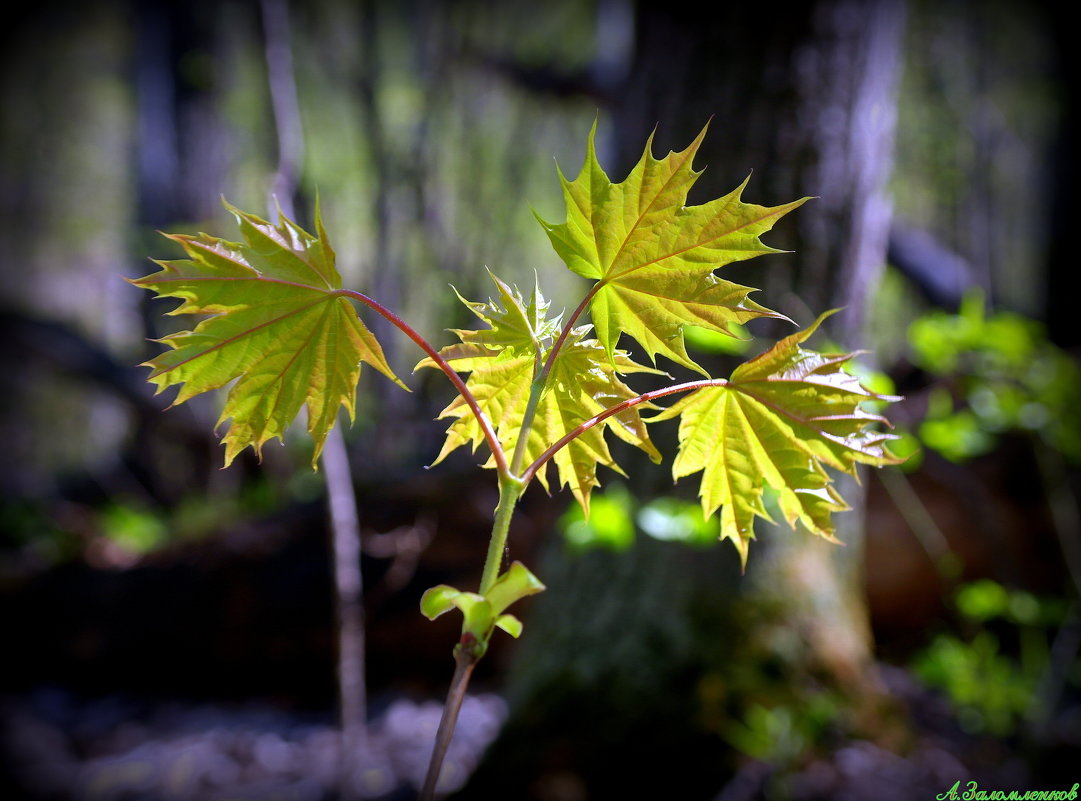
{"points": [[779, 421], [277, 323], [652, 257], [504, 359]]}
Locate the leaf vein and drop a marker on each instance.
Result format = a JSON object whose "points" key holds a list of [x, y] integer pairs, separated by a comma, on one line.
{"points": [[223, 343]]}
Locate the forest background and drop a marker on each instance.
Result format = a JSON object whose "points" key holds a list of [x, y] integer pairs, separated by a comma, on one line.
{"points": [[136, 576]]}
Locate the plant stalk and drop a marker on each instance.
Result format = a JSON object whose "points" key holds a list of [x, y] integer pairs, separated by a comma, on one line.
{"points": [[510, 489], [540, 380], [465, 660], [536, 389], [469, 651]]}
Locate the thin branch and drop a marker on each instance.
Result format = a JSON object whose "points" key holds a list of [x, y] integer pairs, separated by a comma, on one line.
{"points": [[567, 329], [464, 662], [619, 407], [349, 592], [441, 363], [341, 496], [283, 101], [923, 526]]}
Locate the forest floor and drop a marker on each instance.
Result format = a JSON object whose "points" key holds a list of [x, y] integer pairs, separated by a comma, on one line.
{"points": [[59, 747]]}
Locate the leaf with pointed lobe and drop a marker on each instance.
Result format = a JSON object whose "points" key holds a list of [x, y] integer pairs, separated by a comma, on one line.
{"points": [[652, 257], [779, 421], [277, 324], [503, 360]]}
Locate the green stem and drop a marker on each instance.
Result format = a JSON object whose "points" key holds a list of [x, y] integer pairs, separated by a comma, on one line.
{"points": [[540, 379], [469, 651], [466, 655], [510, 489], [536, 389]]}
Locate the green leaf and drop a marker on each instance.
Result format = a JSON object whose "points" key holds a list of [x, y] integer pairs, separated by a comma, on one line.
{"points": [[778, 422], [438, 600], [503, 361], [517, 583], [483, 613], [278, 325], [652, 257], [509, 624]]}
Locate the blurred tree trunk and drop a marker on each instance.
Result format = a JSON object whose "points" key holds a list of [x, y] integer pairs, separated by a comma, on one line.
{"points": [[805, 98], [804, 95], [1060, 299], [343, 512], [809, 104]]}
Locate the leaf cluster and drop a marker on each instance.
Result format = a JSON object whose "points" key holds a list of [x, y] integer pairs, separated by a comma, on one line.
{"points": [[541, 388]]}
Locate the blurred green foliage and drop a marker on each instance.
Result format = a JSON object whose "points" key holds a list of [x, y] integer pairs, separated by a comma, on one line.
{"points": [[782, 734], [999, 373], [610, 524], [125, 527], [704, 340], [676, 520], [615, 516], [988, 690], [993, 676], [133, 528]]}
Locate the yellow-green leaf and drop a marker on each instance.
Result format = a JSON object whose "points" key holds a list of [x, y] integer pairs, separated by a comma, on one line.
{"points": [[502, 361], [277, 324], [652, 257], [780, 420]]}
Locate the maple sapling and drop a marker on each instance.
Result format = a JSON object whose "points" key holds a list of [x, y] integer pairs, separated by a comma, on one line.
{"points": [[541, 389]]}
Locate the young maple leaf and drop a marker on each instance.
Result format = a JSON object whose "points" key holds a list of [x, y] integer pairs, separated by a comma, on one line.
{"points": [[652, 257], [779, 420], [503, 360], [277, 323]]}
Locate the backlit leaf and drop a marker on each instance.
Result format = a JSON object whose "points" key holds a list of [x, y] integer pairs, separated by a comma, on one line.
{"points": [[652, 257], [781, 419], [502, 361], [277, 325]]}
